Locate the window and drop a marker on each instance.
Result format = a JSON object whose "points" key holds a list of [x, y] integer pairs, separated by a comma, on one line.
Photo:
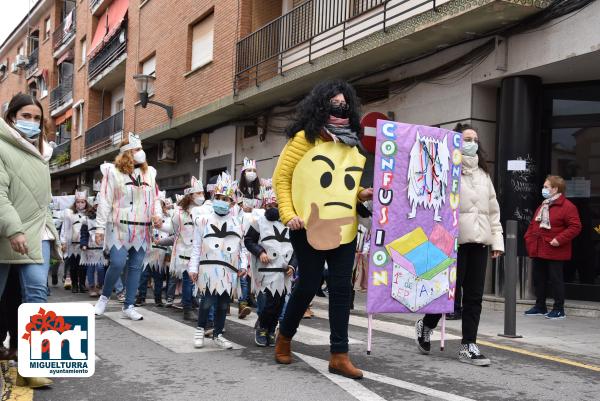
{"points": [[33, 90], [149, 68], [47, 28], [42, 87], [202, 42], [83, 47], [79, 119]]}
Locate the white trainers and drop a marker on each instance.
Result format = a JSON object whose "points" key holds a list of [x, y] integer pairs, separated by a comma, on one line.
{"points": [[222, 342], [100, 306], [131, 313], [199, 337]]}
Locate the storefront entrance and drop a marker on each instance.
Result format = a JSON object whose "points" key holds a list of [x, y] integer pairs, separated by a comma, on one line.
{"points": [[572, 139]]}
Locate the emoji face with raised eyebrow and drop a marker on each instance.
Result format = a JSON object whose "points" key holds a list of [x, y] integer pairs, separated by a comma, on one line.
{"points": [[325, 186]]}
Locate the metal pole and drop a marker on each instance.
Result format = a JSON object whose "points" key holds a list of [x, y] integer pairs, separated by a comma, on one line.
{"points": [[510, 281]]}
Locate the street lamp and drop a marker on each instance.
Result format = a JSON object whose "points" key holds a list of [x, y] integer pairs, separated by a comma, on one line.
{"points": [[144, 85]]}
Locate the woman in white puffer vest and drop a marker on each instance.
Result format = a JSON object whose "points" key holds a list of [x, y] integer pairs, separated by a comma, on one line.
{"points": [[479, 230]]}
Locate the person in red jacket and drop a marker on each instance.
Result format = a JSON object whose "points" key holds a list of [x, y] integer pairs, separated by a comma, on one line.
{"points": [[548, 240]]}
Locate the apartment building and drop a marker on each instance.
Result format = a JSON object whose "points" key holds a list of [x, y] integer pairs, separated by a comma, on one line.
{"points": [[227, 74]]}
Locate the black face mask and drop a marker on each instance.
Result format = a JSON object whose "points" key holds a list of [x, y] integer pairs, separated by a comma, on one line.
{"points": [[272, 214], [339, 112]]}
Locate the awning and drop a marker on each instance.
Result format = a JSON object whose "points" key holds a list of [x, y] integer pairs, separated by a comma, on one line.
{"points": [[63, 117], [67, 56], [108, 24]]}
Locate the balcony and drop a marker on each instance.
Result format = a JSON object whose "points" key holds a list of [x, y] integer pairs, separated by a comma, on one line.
{"points": [[64, 33], [345, 37], [61, 96], [32, 63], [109, 58], [61, 155], [97, 7], [105, 134]]}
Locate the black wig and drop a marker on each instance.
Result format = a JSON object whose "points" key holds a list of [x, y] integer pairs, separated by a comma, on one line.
{"points": [[313, 111]]}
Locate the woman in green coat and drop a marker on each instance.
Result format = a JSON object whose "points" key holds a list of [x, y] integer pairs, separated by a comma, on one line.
{"points": [[27, 234]]}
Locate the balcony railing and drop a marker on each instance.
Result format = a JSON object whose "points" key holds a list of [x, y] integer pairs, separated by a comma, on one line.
{"points": [[62, 94], [315, 28], [65, 31], [111, 51], [105, 134], [32, 63], [61, 154]]}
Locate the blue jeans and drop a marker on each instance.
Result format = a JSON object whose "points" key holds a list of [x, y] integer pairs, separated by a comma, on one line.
{"points": [[260, 303], [119, 259], [245, 289], [187, 288], [221, 303], [158, 278], [91, 277], [33, 277]]}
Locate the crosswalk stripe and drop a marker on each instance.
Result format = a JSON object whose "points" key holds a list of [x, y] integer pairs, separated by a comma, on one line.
{"points": [[352, 387], [165, 331], [306, 335], [363, 393], [397, 329]]}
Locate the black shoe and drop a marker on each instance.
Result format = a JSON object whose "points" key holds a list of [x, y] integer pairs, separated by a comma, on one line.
{"points": [[74, 288], [423, 334], [158, 302], [188, 314], [469, 353], [139, 301], [82, 289], [454, 316], [54, 279], [320, 293]]}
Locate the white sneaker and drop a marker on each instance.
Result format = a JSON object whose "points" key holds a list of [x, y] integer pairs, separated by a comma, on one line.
{"points": [[100, 306], [222, 342], [132, 314], [199, 338]]}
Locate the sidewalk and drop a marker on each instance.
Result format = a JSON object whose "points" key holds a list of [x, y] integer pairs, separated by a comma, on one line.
{"points": [[575, 338]]}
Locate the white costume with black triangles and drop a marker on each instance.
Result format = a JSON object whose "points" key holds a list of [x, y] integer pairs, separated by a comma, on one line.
{"points": [[275, 241], [94, 254], [71, 229], [182, 222], [217, 254]]}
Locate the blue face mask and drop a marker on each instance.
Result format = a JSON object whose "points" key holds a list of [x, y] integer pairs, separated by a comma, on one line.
{"points": [[29, 129], [546, 193], [220, 207], [470, 148]]}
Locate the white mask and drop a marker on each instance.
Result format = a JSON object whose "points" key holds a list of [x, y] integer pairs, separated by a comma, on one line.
{"points": [[199, 200], [139, 157], [251, 176]]}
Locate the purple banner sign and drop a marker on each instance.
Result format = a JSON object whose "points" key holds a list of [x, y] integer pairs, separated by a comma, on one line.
{"points": [[412, 266]]}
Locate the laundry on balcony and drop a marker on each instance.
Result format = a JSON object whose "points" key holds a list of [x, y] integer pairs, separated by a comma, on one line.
{"points": [[108, 25], [68, 23]]}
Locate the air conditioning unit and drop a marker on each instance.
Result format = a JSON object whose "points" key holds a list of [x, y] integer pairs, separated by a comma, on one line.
{"points": [[21, 61], [14, 68]]}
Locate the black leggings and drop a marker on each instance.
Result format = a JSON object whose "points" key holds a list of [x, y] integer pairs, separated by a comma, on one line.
{"points": [[269, 316], [78, 273], [311, 263], [9, 306], [471, 265]]}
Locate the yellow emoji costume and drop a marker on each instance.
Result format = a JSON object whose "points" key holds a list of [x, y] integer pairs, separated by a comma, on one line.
{"points": [[320, 184]]}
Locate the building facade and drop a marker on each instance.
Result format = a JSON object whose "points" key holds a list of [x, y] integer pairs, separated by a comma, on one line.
{"points": [[521, 71]]}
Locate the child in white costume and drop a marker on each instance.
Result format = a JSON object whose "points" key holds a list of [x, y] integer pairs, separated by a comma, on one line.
{"points": [[217, 260], [182, 224], [73, 219], [128, 208], [268, 241], [156, 262], [92, 253]]}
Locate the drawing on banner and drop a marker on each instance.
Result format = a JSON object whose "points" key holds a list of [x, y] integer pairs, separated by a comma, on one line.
{"points": [[414, 236], [428, 174]]}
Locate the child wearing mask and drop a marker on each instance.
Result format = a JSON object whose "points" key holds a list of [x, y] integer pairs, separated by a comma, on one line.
{"points": [[74, 218], [268, 241], [182, 223], [217, 260]]}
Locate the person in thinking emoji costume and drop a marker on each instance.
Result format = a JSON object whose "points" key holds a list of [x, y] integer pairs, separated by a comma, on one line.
{"points": [[317, 184]]}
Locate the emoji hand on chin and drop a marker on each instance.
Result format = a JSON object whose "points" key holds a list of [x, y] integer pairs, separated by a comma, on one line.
{"points": [[325, 234]]}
